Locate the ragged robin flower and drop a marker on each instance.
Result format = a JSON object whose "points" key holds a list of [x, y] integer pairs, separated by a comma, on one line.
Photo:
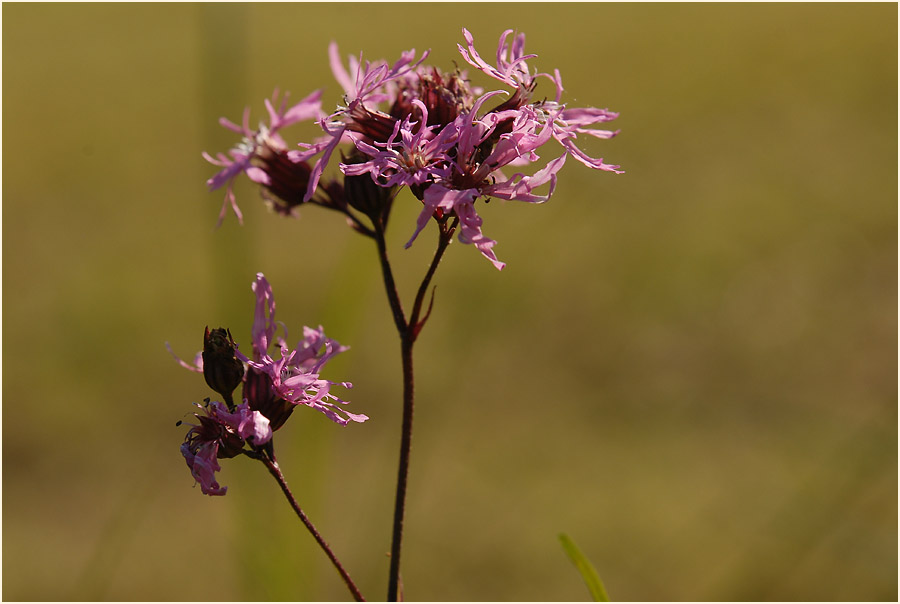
{"points": [[274, 387], [416, 126], [271, 390], [412, 125], [262, 155], [221, 434]]}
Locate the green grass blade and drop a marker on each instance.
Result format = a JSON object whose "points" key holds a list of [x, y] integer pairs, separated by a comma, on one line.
{"points": [[590, 576]]}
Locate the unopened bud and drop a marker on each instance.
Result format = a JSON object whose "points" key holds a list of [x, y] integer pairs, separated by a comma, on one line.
{"points": [[221, 368], [363, 194], [260, 396]]}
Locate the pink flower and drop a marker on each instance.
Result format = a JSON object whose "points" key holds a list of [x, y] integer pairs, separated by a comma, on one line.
{"points": [[449, 165], [203, 464], [262, 154], [294, 378], [271, 389], [221, 434], [511, 68], [566, 123], [408, 124], [468, 175], [412, 156], [366, 88]]}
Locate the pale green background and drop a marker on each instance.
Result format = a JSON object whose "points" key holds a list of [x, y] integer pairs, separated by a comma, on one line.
{"points": [[690, 368]]}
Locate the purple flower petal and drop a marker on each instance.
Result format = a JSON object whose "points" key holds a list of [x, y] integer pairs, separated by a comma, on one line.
{"points": [[203, 465]]}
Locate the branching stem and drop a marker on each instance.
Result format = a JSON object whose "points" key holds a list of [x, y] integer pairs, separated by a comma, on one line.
{"points": [[408, 330]]}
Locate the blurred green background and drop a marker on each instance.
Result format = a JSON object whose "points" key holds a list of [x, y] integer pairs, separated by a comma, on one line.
{"points": [[689, 368]]}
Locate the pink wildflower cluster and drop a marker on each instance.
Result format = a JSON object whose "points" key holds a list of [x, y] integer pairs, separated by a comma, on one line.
{"points": [[408, 124], [271, 389]]}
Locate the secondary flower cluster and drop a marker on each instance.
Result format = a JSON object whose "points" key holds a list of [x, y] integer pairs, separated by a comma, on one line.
{"points": [[272, 389], [408, 124]]}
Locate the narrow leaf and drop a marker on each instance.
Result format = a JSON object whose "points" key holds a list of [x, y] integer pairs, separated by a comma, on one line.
{"points": [[591, 579]]}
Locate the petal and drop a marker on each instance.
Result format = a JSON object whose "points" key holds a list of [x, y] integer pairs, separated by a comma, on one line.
{"points": [[229, 200], [319, 168], [582, 116], [308, 109], [198, 360], [258, 175], [337, 68], [255, 427], [264, 315], [204, 466], [333, 413], [584, 158], [232, 168], [470, 232]]}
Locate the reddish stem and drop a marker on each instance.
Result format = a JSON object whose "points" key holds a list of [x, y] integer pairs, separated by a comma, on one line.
{"points": [[275, 471]]}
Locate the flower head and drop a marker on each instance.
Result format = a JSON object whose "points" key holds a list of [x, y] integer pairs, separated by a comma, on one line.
{"points": [[408, 124], [442, 139], [411, 156], [279, 385], [294, 377], [221, 434], [272, 389], [263, 156], [364, 91]]}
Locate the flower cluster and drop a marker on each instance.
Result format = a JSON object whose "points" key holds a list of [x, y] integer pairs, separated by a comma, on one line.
{"points": [[408, 124], [272, 389]]}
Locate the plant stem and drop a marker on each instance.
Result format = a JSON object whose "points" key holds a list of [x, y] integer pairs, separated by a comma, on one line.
{"points": [[402, 468], [408, 331], [390, 285], [273, 468], [446, 236]]}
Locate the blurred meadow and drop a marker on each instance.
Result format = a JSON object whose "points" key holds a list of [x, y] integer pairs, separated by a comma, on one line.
{"points": [[690, 368]]}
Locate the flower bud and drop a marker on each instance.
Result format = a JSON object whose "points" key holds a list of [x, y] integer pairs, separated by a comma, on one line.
{"points": [[260, 396], [364, 195], [221, 368]]}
